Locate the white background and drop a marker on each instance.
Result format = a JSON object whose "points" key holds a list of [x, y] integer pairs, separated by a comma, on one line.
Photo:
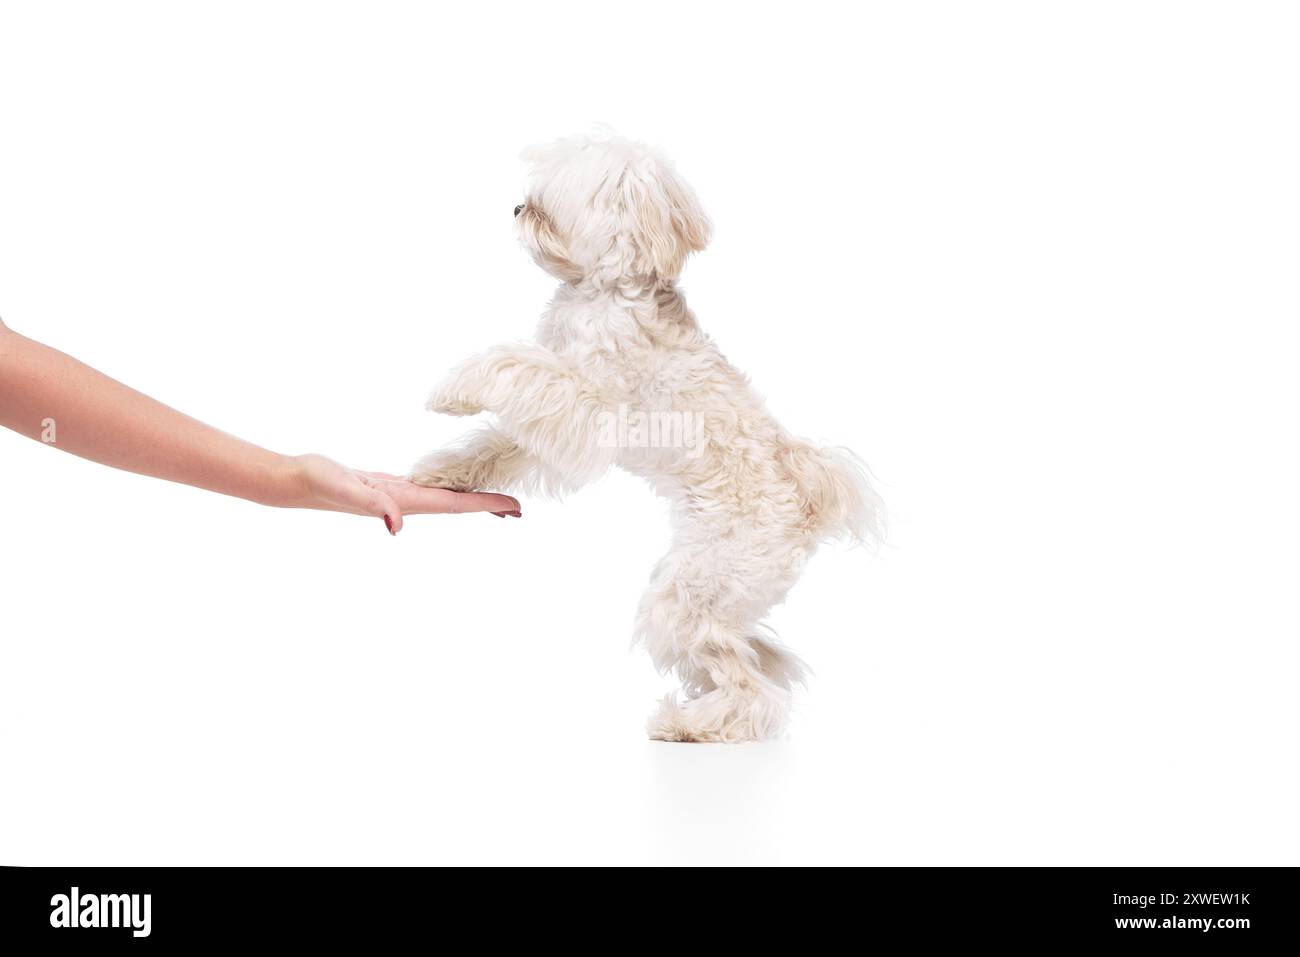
{"points": [[1035, 262]]}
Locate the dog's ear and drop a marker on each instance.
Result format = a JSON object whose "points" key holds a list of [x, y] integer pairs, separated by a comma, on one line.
{"points": [[548, 240], [669, 223], [547, 244]]}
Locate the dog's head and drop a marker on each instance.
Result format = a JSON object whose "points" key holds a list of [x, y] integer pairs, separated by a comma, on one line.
{"points": [[610, 211]]}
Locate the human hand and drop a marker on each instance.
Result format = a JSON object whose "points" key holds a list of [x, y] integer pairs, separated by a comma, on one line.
{"points": [[317, 482]]}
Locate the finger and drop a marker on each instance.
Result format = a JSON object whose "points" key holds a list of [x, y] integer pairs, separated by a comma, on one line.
{"points": [[382, 504], [417, 499], [488, 502], [385, 476]]}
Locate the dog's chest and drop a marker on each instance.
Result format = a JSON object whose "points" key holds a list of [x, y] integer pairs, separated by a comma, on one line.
{"points": [[602, 343], [576, 328]]}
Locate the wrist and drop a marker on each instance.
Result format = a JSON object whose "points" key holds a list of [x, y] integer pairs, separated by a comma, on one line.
{"points": [[285, 483]]}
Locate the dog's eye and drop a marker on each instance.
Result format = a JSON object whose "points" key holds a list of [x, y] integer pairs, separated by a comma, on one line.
{"points": [[519, 209]]}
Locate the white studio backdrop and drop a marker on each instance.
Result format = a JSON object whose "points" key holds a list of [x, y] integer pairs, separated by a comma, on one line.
{"points": [[1036, 263]]}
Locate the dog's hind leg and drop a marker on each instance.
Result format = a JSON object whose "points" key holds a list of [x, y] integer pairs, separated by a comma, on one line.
{"points": [[700, 619], [781, 665], [745, 707]]}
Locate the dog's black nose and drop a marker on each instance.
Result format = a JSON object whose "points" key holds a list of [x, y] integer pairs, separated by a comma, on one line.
{"points": [[519, 209]]}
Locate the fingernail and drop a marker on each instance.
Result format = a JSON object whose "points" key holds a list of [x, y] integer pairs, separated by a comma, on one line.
{"points": [[389, 522], [515, 514], [499, 514]]}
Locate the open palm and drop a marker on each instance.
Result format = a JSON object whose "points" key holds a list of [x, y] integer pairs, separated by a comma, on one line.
{"points": [[326, 484]]}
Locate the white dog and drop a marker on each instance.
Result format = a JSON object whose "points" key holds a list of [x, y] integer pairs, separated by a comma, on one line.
{"points": [[613, 221]]}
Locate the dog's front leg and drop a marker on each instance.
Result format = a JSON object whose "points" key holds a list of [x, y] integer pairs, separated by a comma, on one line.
{"points": [[541, 402], [483, 460], [487, 459]]}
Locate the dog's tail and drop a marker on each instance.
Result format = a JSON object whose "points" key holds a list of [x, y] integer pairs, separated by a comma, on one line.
{"points": [[834, 492]]}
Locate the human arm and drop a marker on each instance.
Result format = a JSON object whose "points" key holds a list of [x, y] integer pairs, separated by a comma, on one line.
{"points": [[46, 394]]}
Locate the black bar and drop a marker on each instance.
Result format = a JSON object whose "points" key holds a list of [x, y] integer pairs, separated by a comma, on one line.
{"points": [[1228, 908]]}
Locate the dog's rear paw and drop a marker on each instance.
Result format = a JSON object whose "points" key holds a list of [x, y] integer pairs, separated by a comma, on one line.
{"points": [[721, 715], [669, 723]]}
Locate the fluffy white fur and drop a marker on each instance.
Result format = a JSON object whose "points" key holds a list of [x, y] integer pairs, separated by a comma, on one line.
{"points": [[613, 220]]}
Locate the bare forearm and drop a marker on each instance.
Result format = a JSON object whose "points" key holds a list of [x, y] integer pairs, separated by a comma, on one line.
{"points": [[50, 396], [47, 394]]}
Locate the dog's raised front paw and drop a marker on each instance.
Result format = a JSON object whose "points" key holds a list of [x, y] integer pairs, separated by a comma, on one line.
{"points": [[446, 470], [447, 400]]}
